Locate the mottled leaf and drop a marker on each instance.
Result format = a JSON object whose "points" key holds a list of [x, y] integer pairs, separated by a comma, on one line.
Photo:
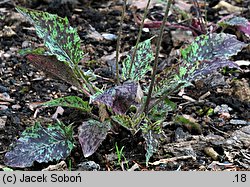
{"points": [[38, 51], [52, 66], [160, 111], [69, 101], [167, 83], [208, 67], [208, 53], [91, 134], [152, 133], [151, 145], [120, 98], [130, 123], [245, 29], [240, 23], [40, 144], [59, 37], [144, 55], [210, 47], [235, 21]]}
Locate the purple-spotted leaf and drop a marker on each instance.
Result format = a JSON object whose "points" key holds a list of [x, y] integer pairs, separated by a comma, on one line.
{"points": [[91, 134], [152, 133], [234, 21], [120, 98], [130, 123], [240, 23], [54, 67], [144, 55], [208, 67], [207, 54], [41, 144], [212, 46], [59, 37], [70, 102], [245, 29]]}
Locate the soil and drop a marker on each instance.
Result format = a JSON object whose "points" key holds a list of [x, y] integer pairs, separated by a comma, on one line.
{"points": [[222, 141]]}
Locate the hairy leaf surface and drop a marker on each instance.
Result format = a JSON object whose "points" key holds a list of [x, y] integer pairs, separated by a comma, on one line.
{"points": [[40, 144], [59, 37], [144, 55], [91, 134]]}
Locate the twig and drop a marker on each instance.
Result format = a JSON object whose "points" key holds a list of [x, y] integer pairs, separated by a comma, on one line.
{"points": [[2, 152], [174, 159], [156, 57], [220, 131], [119, 42]]}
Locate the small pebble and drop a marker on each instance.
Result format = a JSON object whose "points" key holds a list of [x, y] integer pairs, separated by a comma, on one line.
{"points": [[3, 107], [25, 44], [239, 122], [88, 166], [3, 89], [16, 107], [110, 37], [6, 55], [3, 120]]}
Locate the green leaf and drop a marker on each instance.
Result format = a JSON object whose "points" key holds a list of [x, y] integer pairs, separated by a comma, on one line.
{"points": [[7, 169], [152, 133], [91, 134], [160, 111], [128, 122], [38, 51], [59, 37], [193, 127], [69, 101], [41, 144], [167, 83], [144, 55]]}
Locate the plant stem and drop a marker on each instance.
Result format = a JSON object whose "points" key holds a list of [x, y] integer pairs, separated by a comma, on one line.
{"points": [[146, 105], [119, 42], [138, 37]]}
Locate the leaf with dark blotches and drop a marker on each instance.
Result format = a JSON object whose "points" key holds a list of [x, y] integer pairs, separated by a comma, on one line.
{"points": [[59, 37], [144, 55], [152, 133], [234, 21], [208, 67], [245, 29], [120, 98], [212, 46], [54, 67], [41, 144], [130, 123], [207, 54], [70, 102], [91, 134], [240, 23]]}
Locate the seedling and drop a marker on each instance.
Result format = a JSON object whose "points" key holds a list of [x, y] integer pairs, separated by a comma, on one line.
{"points": [[150, 103]]}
